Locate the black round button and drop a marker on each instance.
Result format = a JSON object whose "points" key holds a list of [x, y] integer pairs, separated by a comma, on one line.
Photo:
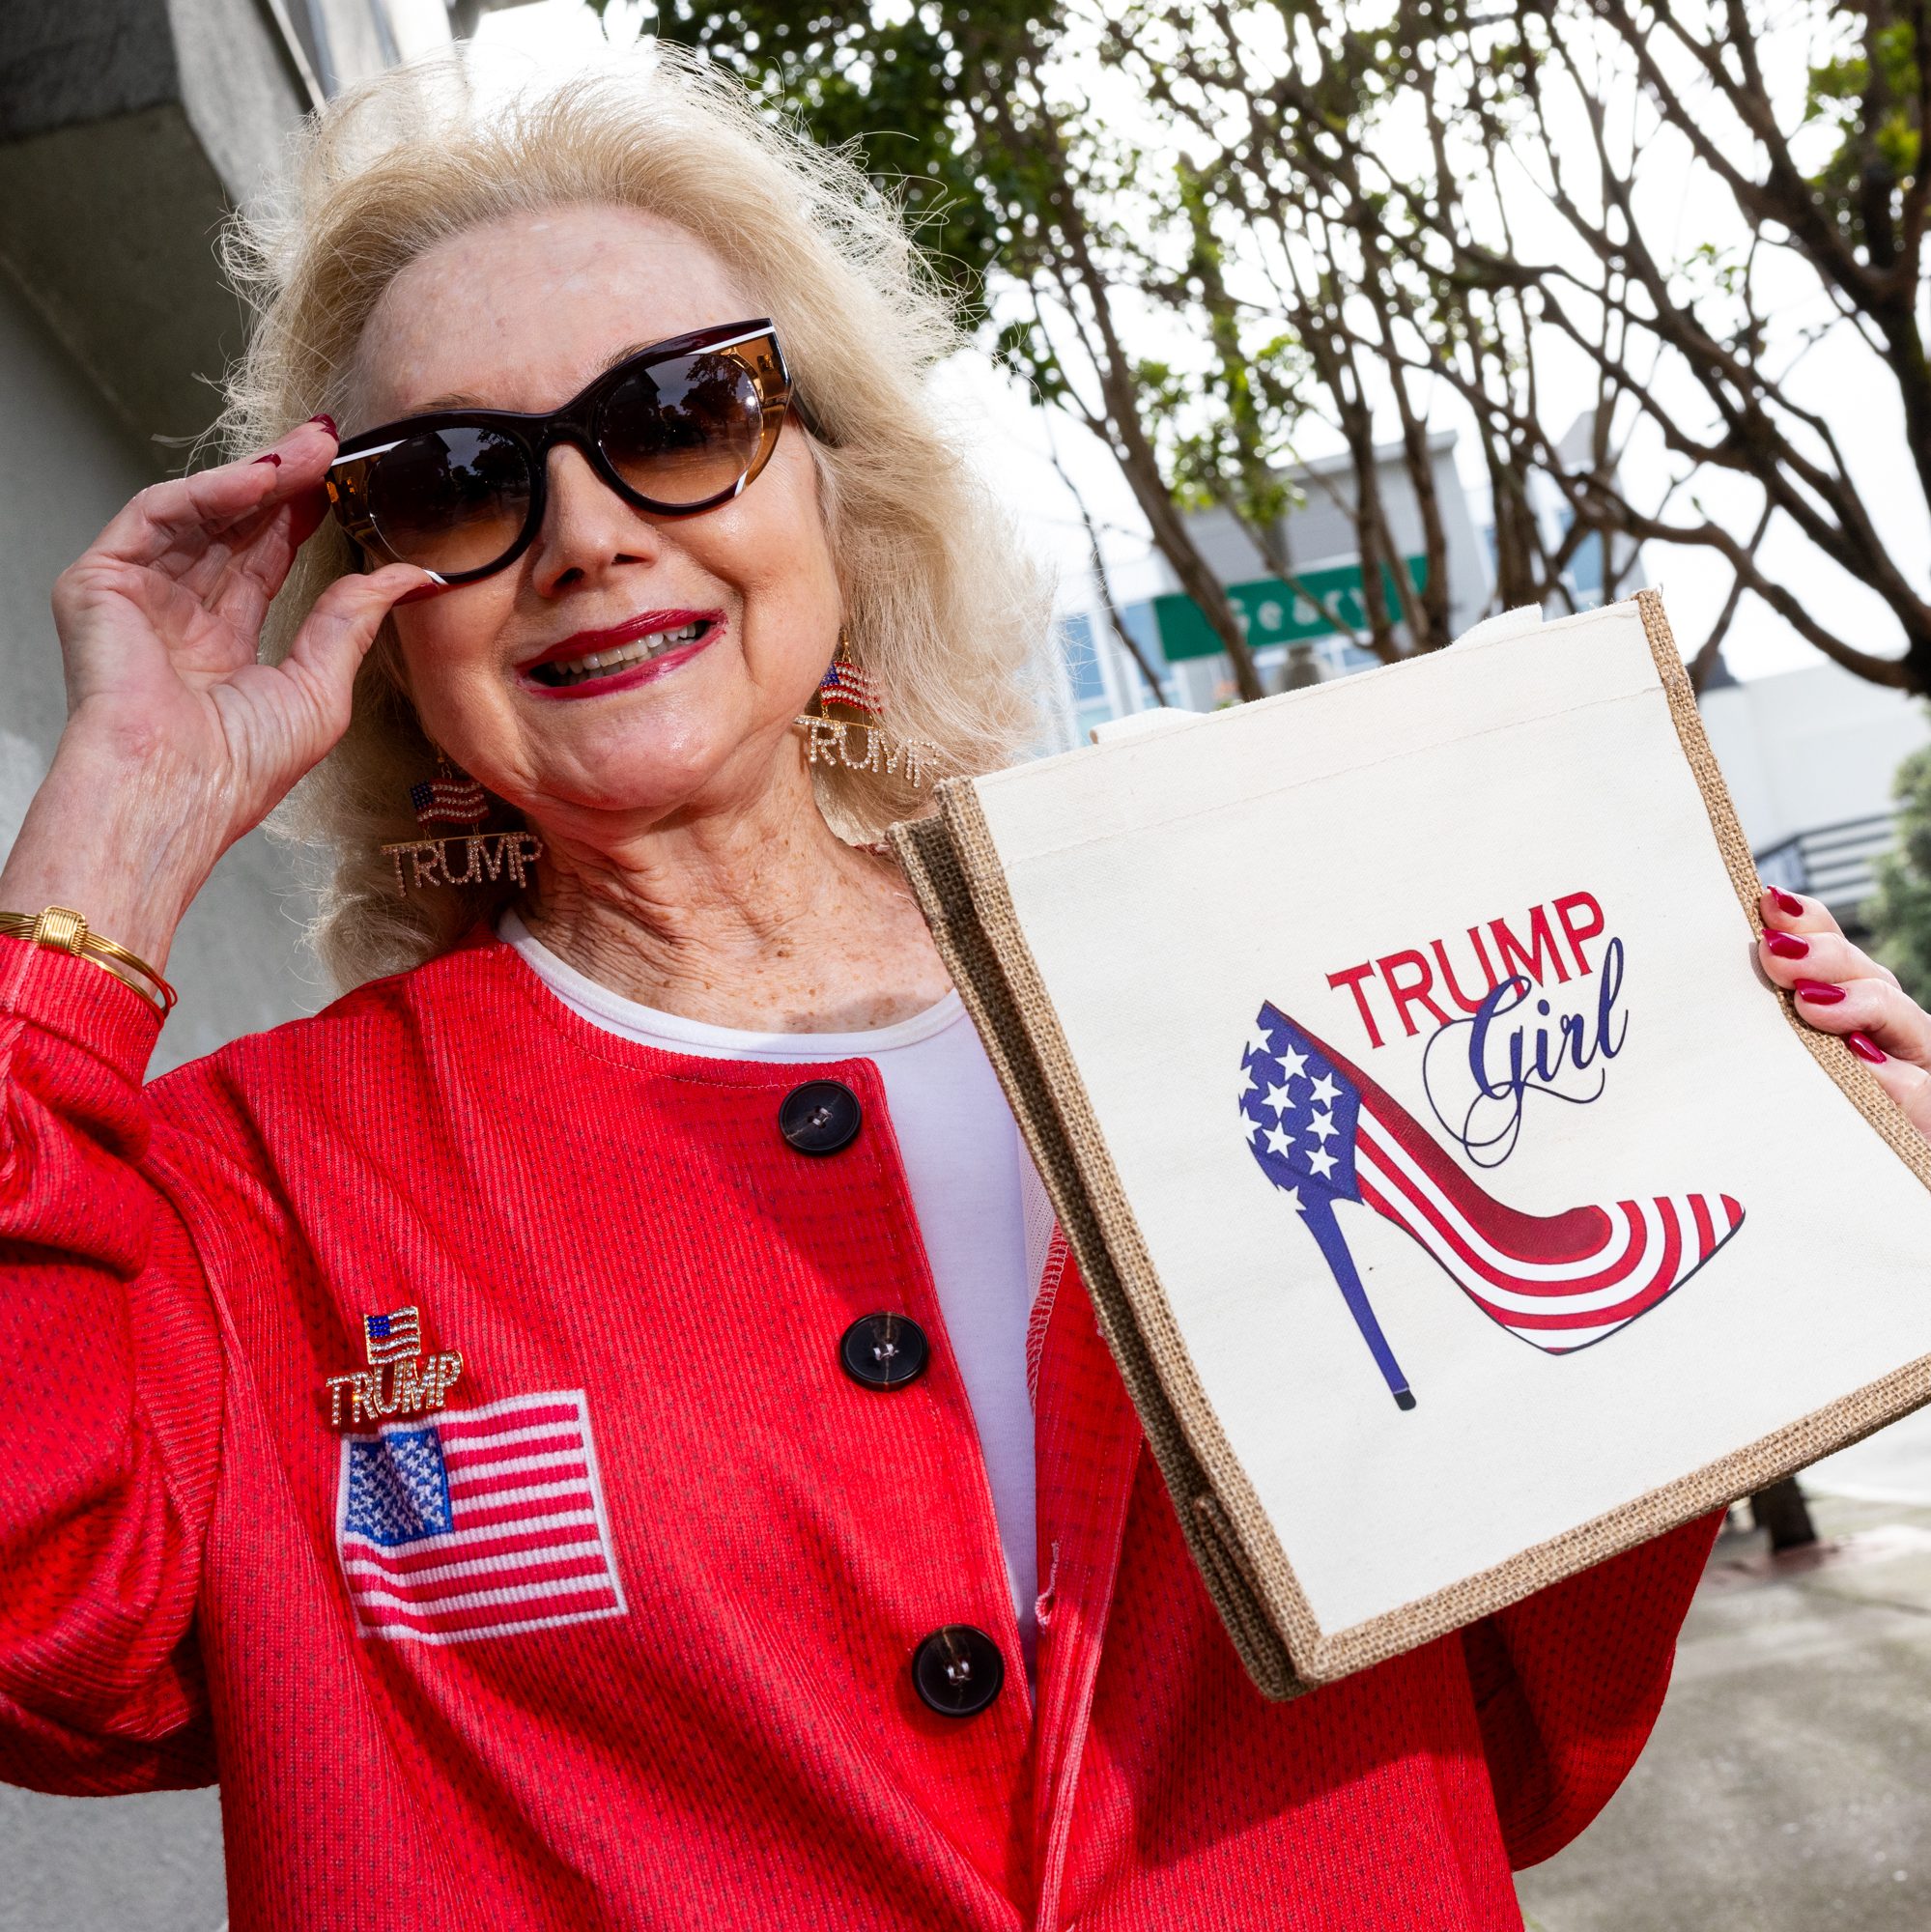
{"points": [[820, 1116], [958, 1670], [884, 1352]]}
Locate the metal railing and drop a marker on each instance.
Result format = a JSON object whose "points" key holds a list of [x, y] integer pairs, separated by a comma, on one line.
{"points": [[1832, 863]]}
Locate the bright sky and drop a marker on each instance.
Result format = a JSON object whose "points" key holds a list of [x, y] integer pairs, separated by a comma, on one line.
{"points": [[543, 38]]}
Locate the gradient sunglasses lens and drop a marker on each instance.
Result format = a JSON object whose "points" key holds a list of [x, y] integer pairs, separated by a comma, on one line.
{"points": [[684, 432], [450, 500]]}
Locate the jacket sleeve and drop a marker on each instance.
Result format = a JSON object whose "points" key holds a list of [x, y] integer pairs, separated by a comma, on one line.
{"points": [[1568, 1683], [110, 1432]]}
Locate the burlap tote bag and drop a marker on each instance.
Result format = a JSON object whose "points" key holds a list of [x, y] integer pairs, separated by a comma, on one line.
{"points": [[1459, 1202]]}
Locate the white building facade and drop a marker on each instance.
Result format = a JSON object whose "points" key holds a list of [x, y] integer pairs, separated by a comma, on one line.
{"points": [[1810, 757], [128, 130]]}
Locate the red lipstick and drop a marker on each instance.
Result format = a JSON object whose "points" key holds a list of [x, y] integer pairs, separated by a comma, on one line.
{"points": [[587, 643]]}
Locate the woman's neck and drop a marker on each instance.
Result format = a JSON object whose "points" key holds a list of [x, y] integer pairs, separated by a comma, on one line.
{"points": [[758, 918]]}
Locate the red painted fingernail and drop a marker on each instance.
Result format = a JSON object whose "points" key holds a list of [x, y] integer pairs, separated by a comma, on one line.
{"points": [[1818, 993], [1786, 904], [421, 591], [1865, 1047], [1787, 944], [270, 457], [327, 422]]}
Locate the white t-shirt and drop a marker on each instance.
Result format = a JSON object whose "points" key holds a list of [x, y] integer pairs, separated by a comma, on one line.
{"points": [[967, 1168]]}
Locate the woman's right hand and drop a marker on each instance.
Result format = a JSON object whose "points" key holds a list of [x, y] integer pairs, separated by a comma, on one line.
{"points": [[161, 620], [178, 740]]}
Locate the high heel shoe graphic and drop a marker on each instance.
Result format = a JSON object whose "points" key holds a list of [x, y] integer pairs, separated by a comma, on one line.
{"points": [[1323, 1132]]}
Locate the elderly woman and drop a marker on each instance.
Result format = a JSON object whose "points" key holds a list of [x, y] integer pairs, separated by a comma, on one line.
{"points": [[598, 1427]]}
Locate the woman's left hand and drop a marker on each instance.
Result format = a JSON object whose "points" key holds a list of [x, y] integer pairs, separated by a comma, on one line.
{"points": [[1844, 991]]}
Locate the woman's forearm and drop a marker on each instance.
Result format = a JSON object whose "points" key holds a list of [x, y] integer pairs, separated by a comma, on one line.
{"points": [[120, 840]]}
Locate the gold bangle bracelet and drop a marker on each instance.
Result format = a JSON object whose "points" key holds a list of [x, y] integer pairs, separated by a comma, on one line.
{"points": [[62, 929]]}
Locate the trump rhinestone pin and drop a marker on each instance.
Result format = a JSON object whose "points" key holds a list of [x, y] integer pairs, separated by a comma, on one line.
{"points": [[400, 1380]]}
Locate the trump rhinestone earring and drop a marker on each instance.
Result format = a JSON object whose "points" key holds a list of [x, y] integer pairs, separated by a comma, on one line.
{"points": [[848, 704], [452, 797]]}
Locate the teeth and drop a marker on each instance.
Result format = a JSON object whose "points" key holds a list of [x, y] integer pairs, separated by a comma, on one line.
{"points": [[599, 664]]}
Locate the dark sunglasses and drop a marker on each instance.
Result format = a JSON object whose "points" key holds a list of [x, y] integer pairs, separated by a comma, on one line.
{"points": [[678, 428]]}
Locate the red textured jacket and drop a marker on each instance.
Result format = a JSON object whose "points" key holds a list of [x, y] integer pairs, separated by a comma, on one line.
{"points": [[718, 1726]]}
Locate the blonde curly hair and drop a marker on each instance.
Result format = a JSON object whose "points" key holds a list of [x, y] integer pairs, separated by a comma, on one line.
{"points": [[946, 608]]}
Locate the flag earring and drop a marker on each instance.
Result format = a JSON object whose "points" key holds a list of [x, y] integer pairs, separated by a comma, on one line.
{"points": [[849, 708], [452, 797]]}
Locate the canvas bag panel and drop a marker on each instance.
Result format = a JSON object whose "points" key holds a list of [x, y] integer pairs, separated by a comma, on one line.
{"points": [[1528, 825]]}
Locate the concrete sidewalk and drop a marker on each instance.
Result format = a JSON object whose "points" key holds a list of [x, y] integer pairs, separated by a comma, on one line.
{"points": [[111, 1864], [1788, 1785]]}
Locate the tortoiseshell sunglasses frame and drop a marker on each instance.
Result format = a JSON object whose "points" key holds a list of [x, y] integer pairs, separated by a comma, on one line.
{"points": [[753, 343]]}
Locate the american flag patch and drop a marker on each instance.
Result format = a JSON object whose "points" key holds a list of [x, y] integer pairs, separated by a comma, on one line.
{"points": [[460, 800], [483, 1522]]}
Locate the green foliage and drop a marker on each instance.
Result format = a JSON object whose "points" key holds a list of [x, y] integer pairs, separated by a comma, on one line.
{"points": [[971, 118], [1867, 102], [1225, 436], [917, 97], [1039, 214], [1900, 915]]}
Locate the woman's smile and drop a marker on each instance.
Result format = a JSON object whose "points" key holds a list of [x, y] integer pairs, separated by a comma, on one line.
{"points": [[589, 663]]}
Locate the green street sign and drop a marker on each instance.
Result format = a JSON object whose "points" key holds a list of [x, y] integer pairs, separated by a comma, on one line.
{"points": [[1274, 612]]}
